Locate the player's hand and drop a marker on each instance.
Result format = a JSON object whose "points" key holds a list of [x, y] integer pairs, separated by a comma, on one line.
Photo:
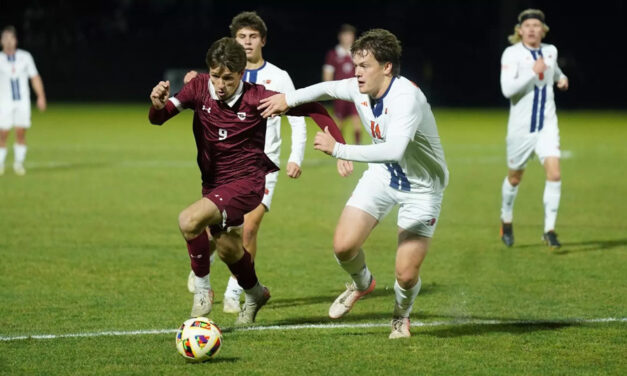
{"points": [[189, 76], [274, 105], [160, 94], [324, 141], [293, 170], [344, 168], [539, 66], [562, 84], [41, 103]]}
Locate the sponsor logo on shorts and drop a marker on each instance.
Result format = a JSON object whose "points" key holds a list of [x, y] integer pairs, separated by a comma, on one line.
{"points": [[430, 222], [268, 82], [267, 191]]}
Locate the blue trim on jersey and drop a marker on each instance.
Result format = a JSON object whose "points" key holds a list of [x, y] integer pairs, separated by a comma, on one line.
{"points": [[250, 75], [15, 89], [11, 58], [536, 91], [377, 105], [542, 102], [398, 178], [534, 111]]}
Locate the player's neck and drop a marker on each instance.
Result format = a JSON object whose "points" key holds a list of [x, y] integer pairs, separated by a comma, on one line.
{"points": [[9, 51], [250, 64], [385, 85], [532, 46]]}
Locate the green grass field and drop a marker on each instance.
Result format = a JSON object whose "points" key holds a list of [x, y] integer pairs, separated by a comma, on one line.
{"points": [[89, 244]]}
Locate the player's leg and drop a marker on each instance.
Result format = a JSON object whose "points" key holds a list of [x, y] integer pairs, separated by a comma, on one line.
{"points": [[356, 123], [19, 149], [551, 199], [4, 135], [193, 222]]}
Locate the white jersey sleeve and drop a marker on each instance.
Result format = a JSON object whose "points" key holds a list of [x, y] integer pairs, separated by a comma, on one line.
{"points": [[514, 80], [299, 128], [323, 91], [558, 71], [31, 69]]}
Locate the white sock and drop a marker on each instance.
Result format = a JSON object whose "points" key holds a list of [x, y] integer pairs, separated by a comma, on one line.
{"points": [[3, 155], [254, 293], [202, 282], [405, 298], [551, 199], [358, 270], [508, 192], [233, 289], [20, 153]]}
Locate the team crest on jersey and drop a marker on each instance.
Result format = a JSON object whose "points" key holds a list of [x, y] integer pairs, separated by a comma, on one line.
{"points": [[365, 104], [241, 115]]}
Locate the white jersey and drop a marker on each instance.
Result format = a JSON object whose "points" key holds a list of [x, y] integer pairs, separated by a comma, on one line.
{"points": [[276, 79], [402, 116], [532, 103], [15, 71]]}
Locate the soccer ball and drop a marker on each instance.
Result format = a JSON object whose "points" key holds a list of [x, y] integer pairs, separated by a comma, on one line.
{"points": [[198, 339]]}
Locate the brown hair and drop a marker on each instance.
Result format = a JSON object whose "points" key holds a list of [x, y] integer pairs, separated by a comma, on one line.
{"points": [[347, 28], [228, 53], [250, 20], [10, 29], [383, 45]]}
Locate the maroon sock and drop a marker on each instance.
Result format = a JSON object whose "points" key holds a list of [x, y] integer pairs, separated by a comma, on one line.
{"points": [[244, 271], [198, 249], [357, 137]]}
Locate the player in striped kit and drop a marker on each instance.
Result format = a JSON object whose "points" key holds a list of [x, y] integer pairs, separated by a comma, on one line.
{"points": [[528, 71], [16, 68], [406, 167]]}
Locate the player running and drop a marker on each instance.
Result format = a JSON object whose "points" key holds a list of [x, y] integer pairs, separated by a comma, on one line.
{"points": [[230, 137], [16, 68], [528, 71], [406, 167]]}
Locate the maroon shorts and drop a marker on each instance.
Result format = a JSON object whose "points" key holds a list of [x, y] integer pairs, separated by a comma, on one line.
{"points": [[344, 109], [235, 199]]}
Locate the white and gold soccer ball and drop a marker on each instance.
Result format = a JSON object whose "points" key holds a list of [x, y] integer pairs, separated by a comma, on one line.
{"points": [[198, 339]]}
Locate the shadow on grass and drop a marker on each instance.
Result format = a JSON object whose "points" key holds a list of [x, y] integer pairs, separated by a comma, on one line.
{"points": [[482, 329], [575, 247], [219, 359]]}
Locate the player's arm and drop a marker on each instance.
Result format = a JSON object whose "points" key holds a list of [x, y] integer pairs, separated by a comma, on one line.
{"points": [[559, 76], [513, 79], [162, 108], [36, 82], [299, 135], [328, 70]]}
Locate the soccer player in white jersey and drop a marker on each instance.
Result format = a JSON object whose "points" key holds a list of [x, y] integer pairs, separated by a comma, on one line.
{"points": [[528, 71], [406, 167], [16, 68], [250, 31]]}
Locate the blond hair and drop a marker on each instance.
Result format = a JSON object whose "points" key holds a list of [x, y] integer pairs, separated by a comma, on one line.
{"points": [[524, 15]]}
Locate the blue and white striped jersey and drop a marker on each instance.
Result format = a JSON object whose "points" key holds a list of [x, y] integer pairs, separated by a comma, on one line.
{"points": [[15, 71]]}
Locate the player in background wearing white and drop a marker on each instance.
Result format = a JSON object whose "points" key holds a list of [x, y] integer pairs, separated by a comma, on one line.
{"points": [[16, 68], [250, 31], [338, 65], [528, 71], [406, 167]]}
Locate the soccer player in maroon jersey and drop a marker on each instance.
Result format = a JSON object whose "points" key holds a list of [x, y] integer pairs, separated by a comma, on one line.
{"points": [[230, 137], [338, 65]]}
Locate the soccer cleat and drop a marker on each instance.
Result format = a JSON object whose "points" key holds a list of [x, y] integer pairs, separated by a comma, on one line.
{"points": [[507, 234], [400, 328], [231, 305], [345, 302], [249, 310], [550, 239], [19, 170], [191, 284], [203, 303]]}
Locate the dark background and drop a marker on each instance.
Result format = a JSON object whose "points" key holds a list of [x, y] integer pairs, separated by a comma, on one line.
{"points": [[117, 50]]}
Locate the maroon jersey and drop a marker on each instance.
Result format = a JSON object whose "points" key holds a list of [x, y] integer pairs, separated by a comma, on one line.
{"points": [[341, 62]]}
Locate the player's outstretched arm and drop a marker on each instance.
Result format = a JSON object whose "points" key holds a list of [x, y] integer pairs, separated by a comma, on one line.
{"points": [[273, 105], [161, 109]]}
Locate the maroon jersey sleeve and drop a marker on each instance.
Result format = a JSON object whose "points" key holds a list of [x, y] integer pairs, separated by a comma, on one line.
{"points": [[186, 98], [158, 117], [320, 115], [329, 59]]}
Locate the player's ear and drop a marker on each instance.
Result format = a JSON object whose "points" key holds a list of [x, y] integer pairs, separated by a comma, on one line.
{"points": [[263, 41], [387, 68]]}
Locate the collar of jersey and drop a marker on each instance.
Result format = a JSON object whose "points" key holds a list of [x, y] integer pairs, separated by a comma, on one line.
{"points": [[341, 51], [258, 69], [231, 101], [374, 101], [531, 49]]}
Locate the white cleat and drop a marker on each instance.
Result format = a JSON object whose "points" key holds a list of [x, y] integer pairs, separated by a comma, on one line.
{"points": [[345, 302], [249, 310], [203, 303], [191, 285], [400, 328], [19, 170], [231, 304]]}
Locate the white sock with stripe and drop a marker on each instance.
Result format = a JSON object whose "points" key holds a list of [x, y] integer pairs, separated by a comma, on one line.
{"points": [[508, 193], [3, 155], [551, 199], [405, 298], [358, 270], [233, 289], [20, 153]]}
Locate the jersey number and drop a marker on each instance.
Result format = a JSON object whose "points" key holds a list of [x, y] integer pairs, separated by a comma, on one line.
{"points": [[374, 129], [222, 133]]}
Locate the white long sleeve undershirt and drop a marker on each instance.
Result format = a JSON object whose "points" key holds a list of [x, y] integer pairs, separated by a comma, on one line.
{"points": [[392, 150]]}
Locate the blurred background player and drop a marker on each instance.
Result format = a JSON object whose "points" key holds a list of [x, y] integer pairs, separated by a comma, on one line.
{"points": [[16, 68], [338, 65], [528, 71], [251, 32], [406, 167]]}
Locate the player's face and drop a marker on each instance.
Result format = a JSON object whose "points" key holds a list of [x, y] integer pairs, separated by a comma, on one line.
{"points": [[346, 39], [252, 42], [224, 81], [9, 41], [370, 73], [531, 32]]}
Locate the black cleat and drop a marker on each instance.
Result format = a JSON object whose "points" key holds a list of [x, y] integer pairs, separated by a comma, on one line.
{"points": [[550, 239], [507, 234]]}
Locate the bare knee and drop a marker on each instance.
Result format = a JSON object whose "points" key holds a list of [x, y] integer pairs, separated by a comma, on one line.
{"points": [[407, 278], [553, 176], [250, 233], [344, 249], [514, 180], [189, 226]]}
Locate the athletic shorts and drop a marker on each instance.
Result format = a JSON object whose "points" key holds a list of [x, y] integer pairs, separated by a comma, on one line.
{"points": [[418, 212], [545, 143], [344, 109], [16, 114], [235, 199], [271, 180]]}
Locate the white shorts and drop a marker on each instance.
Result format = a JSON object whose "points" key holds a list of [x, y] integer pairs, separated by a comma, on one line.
{"points": [[545, 143], [16, 114], [418, 212], [271, 180]]}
